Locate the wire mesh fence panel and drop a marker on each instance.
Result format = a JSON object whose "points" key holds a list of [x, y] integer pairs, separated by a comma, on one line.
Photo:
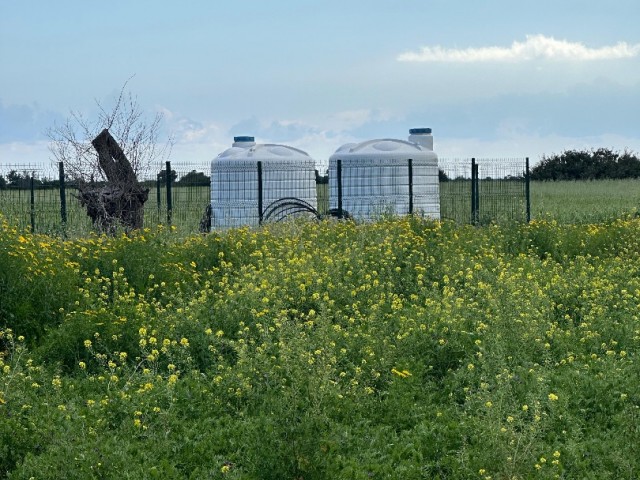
{"points": [[455, 189], [177, 197], [77, 220], [16, 192], [367, 189], [462, 190], [30, 199], [49, 219], [14, 205], [189, 205], [155, 209], [502, 190], [496, 191]]}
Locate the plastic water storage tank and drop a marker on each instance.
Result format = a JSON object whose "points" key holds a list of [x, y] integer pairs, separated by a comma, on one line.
{"points": [[286, 172], [387, 176]]}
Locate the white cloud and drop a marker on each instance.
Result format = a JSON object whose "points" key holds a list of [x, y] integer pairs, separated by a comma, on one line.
{"points": [[534, 47], [346, 120], [321, 145], [187, 130], [350, 119]]}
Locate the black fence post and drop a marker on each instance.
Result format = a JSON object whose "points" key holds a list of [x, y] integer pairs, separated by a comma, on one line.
{"points": [[158, 196], [473, 191], [339, 180], [410, 162], [477, 216], [527, 189], [63, 195], [33, 205], [169, 199], [260, 212]]}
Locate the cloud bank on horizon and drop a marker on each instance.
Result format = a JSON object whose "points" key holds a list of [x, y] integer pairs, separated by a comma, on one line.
{"points": [[534, 47]]}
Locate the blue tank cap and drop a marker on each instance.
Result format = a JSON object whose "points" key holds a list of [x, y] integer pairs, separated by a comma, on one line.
{"points": [[418, 131], [244, 139]]}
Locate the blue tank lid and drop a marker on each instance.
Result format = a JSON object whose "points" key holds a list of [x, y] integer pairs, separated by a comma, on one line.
{"points": [[418, 131], [244, 138]]}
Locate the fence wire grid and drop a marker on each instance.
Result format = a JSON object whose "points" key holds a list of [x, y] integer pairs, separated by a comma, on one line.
{"points": [[477, 191]]}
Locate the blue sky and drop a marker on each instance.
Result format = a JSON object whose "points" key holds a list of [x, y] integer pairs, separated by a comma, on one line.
{"points": [[493, 78]]}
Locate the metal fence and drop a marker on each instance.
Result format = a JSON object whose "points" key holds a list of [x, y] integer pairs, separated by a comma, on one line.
{"points": [[474, 191], [366, 189], [480, 191]]}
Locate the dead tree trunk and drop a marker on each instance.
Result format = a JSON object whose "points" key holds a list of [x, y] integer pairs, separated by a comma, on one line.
{"points": [[121, 201]]}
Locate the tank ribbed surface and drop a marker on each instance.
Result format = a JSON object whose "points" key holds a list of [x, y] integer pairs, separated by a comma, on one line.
{"points": [[387, 176], [286, 173]]}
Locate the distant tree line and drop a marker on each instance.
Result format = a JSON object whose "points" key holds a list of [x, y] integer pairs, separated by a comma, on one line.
{"points": [[587, 165], [22, 180], [193, 178]]}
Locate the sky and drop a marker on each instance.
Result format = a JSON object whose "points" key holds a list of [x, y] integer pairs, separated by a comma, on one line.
{"points": [[492, 78]]}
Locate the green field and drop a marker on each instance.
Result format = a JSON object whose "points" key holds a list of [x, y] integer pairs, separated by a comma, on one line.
{"points": [[401, 349], [566, 202], [585, 201]]}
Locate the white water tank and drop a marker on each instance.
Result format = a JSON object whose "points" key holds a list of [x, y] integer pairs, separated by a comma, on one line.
{"points": [[286, 172], [387, 176]]}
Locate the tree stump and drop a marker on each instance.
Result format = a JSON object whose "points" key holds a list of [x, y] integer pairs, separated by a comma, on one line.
{"points": [[121, 201]]}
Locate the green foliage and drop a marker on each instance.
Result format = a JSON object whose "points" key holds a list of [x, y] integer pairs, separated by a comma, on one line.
{"points": [[18, 180], [397, 349], [194, 178], [35, 275], [587, 165], [162, 176]]}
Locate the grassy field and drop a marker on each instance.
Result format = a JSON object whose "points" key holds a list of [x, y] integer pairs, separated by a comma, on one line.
{"points": [[399, 349], [566, 202], [585, 202]]}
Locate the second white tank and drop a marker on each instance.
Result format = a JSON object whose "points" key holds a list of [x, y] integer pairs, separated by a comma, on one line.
{"points": [[386, 176]]}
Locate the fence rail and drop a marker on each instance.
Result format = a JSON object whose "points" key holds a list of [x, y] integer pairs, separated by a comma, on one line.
{"points": [[469, 191]]}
